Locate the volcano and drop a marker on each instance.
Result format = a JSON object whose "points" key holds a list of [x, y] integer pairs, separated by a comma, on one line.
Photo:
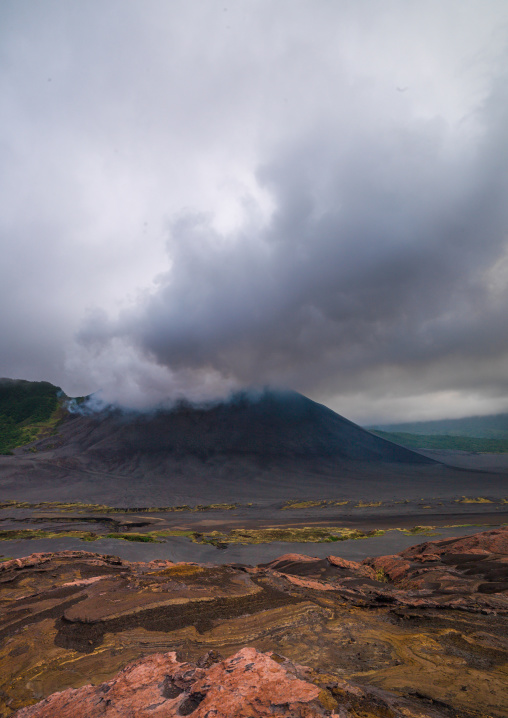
{"points": [[268, 446], [270, 424]]}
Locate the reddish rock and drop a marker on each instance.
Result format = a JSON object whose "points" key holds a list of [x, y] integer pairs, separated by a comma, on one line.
{"points": [[393, 567], [84, 581], [37, 559], [310, 583], [426, 558], [293, 557], [358, 568], [247, 683], [344, 563], [288, 559], [487, 542], [468, 573], [160, 564]]}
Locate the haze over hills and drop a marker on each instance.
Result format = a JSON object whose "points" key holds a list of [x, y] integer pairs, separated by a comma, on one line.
{"points": [[493, 426], [485, 434], [266, 446]]}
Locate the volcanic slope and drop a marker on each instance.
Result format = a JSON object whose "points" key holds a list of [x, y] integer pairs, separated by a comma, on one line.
{"points": [[266, 447]]}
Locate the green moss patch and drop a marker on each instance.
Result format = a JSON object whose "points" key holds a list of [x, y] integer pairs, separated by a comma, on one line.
{"points": [[142, 538], [477, 500], [79, 507], [297, 504], [287, 535], [24, 534], [420, 530]]}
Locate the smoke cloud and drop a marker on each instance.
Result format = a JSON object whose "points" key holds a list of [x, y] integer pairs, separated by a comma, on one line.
{"points": [[386, 255]]}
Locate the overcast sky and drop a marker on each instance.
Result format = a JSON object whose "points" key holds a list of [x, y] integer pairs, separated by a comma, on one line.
{"points": [[198, 196]]}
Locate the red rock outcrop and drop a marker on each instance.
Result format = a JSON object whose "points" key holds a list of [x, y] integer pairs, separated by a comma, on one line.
{"points": [[249, 683], [469, 573], [37, 559], [391, 567], [359, 568], [487, 542]]}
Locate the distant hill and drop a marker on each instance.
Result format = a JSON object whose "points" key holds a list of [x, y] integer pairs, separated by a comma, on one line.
{"points": [[486, 434], [28, 411], [493, 426], [445, 442]]}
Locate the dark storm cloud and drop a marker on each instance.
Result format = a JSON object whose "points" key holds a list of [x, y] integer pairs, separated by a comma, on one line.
{"points": [[377, 254]]}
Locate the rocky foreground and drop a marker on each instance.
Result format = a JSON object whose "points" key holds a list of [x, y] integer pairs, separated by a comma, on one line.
{"points": [[421, 633]]}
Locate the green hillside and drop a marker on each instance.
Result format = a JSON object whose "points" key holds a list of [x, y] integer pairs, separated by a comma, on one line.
{"points": [[28, 410], [437, 441], [485, 434], [493, 426]]}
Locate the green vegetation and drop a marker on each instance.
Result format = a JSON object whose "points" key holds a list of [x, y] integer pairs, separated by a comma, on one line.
{"points": [[288, 535], [221, 539], [215, 538], [302, 504], [23, 534], [424, 530], [143, 538], [82, 508], [465, 526], [298, 504], [445, 441], [28, 411]]}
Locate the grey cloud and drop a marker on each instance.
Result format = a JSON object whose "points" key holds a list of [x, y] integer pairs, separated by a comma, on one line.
{"points": [[384, 268]]}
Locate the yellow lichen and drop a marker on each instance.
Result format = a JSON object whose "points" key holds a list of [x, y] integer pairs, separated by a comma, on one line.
{"points": [[477, 500]]}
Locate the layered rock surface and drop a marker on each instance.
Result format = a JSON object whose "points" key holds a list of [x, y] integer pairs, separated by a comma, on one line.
{"points": [[428, 625]]}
